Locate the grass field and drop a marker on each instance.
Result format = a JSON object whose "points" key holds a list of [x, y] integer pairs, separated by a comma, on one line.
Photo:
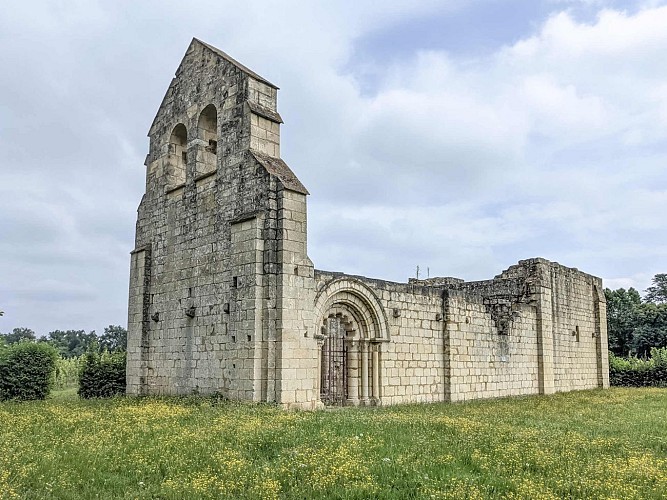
{"points": [[593, 444]]}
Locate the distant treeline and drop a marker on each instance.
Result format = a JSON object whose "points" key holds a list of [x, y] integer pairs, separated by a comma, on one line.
{"points": [[72, 343]]}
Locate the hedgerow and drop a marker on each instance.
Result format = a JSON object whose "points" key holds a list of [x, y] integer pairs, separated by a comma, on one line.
{"points": [[26, 370], [102, 375], [637, 372]]}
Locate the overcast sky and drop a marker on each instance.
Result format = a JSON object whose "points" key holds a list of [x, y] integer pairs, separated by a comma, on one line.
{"points": [[460, 136]]}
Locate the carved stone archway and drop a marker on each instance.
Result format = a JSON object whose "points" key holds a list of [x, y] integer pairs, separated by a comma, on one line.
{"points": [[351, 327]]}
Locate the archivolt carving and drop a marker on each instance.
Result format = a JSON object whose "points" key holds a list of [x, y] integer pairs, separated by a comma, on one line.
{"points": [[352, 297]]}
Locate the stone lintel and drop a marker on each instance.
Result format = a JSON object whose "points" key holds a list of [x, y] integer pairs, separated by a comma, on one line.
{"points": [[246, 216]]}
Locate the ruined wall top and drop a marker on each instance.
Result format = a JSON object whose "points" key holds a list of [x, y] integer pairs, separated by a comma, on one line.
{"points": [[517, 280]]}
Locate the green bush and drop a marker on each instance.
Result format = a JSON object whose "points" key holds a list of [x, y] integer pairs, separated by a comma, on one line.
{"points": [[102, 375], [26, 370], [637, 372]]}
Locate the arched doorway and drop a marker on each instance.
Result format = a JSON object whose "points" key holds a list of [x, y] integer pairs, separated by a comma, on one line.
{"points": [[352, 329], [333, 362]]}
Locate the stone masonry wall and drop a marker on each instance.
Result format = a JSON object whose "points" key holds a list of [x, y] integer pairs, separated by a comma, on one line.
{"points": [[486, 363], [414, 358], [575, 332], [451, 340], [296, 350]]}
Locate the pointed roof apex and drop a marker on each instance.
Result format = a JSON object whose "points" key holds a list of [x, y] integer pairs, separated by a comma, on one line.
{"points": [[233, 61]]}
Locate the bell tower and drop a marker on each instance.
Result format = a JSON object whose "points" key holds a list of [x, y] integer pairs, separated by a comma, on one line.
{"points": [[221, 286]]}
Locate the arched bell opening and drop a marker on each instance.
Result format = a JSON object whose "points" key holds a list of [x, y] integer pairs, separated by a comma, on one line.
{"points": [[207, 128], [177, 156]]}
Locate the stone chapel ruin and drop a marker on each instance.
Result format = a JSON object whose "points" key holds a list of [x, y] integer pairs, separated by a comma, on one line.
{"points": [[224, 299]]}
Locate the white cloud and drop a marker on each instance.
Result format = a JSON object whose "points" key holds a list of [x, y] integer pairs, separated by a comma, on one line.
{"points": [[557, 142], [552, 146]]}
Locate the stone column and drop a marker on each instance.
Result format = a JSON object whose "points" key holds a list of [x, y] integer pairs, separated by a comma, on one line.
{"points": [[364, 372], [376, 374], [352, 372], [318, 382]]}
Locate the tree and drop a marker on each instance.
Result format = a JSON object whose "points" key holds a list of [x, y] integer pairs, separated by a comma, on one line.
{"points": [[71, 343], [635, 326], [114, 339], [651, 329], [622, 318], [19, 334], [658, 292]]}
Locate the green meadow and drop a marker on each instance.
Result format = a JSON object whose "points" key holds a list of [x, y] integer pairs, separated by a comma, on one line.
{"points": [[590, 444]]}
